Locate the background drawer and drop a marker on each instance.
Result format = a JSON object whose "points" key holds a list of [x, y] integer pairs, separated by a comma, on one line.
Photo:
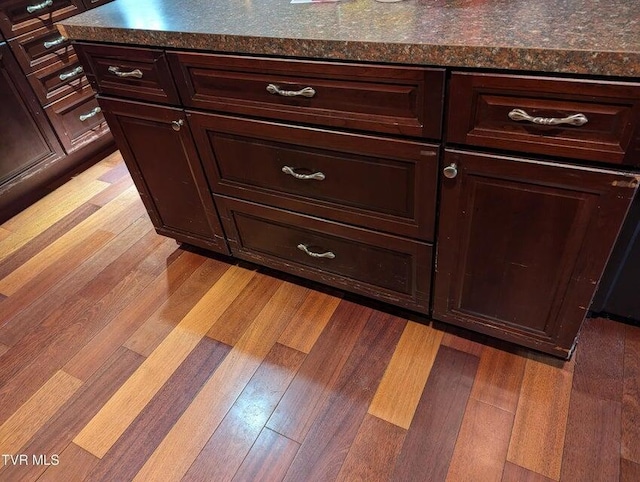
{"points": [[41, 48], [58, 80], [137, 73], [389, 268], [480, 104], [77, 120], [397, 100], [15, 19], [378, 183]]}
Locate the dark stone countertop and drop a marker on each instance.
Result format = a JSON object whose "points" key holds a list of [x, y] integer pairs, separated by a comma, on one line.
{"points": [[597, 37]]}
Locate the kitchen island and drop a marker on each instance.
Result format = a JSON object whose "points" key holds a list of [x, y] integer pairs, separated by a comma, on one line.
{"points": [[471, 161]]}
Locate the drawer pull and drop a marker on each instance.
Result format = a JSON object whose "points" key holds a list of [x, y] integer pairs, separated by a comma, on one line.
{"points": [[72, 73], [137, 73], [451, 171], [90, 114], [316, 176], [177, 125], [574, 120], [304, 249], [53, 43], [306, 92], [39, 6]]}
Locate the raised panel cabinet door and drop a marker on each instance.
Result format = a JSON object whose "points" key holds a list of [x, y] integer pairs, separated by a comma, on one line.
{"points": [[157, 147], [26, 139], [522, 245]]}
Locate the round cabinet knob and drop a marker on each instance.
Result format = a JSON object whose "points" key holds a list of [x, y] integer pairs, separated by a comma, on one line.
{"points": [[176, 125], [450, 171]]}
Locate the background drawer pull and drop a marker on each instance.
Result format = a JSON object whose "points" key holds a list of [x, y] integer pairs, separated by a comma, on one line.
{"points": [[39, 6], [304, 249], [316, 176], [137, 73], [53, 43], [574, 120], [72, 73], [306, 92], [90, 114]]}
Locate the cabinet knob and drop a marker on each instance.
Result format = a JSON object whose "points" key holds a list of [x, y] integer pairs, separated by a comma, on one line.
{"points": [[177, 125], [450, 171]]}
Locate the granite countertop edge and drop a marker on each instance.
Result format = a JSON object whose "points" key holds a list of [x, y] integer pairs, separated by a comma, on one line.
{"points": [[544, 60]]}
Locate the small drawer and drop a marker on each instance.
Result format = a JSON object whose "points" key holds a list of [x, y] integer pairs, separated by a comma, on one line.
{"points": [[21, 16], [393, 100], [136, 73], [77, 119], [42, 48], [389, 268], [95, 3], [383, 184], [595, 121], [58, 80]]}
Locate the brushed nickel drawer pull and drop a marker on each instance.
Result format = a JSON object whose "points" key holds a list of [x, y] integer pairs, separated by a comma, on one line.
{"points": [[304, 249], [316, 176], [177, 125], [90, 114], [39, 6], [53, 43], [137, 73], [72, 73], [574, 120], [306, 92]]}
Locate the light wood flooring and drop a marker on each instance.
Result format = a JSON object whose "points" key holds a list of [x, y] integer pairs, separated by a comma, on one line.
{"points": [[126, 357]]}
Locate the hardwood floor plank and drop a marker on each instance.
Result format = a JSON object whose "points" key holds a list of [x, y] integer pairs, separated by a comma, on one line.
{"points": [[592, 447], [482, 444], [38, 243], [307, 325], [499, 378], [325, 448], [399, 392], [428, 452], [27, 420], [465, 345], [109, 424], [629, 471], [539, 429], [165, 318], [140, 439], [112, 336], [244, 309], [268, 459], [515, 473], [630, 438], [75, 464], [108, 194], [47, 211], [58, 432], [225, 451], [312, 385], [200, 420], [4, 233], [599, 369], [115, 173], [3, 349], [374, 451]]}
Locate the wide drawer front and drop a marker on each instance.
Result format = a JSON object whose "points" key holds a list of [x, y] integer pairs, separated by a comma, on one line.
{"points": [[595, 121], [21, 16], [378, 183], [396, 100], [136, 73], [389, 268]]}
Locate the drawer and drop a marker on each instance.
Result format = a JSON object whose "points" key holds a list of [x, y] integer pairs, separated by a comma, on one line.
{"points": [[95, 3], [394, 100], [41, 48], [58, 80], [595, 121], [77, 119], [136, 73], [21, 16], [383, 184], [389, 268]]}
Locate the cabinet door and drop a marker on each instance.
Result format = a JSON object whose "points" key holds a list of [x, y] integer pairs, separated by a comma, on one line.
{"points": [[26, 139], [158, 149], [522, 245]]}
